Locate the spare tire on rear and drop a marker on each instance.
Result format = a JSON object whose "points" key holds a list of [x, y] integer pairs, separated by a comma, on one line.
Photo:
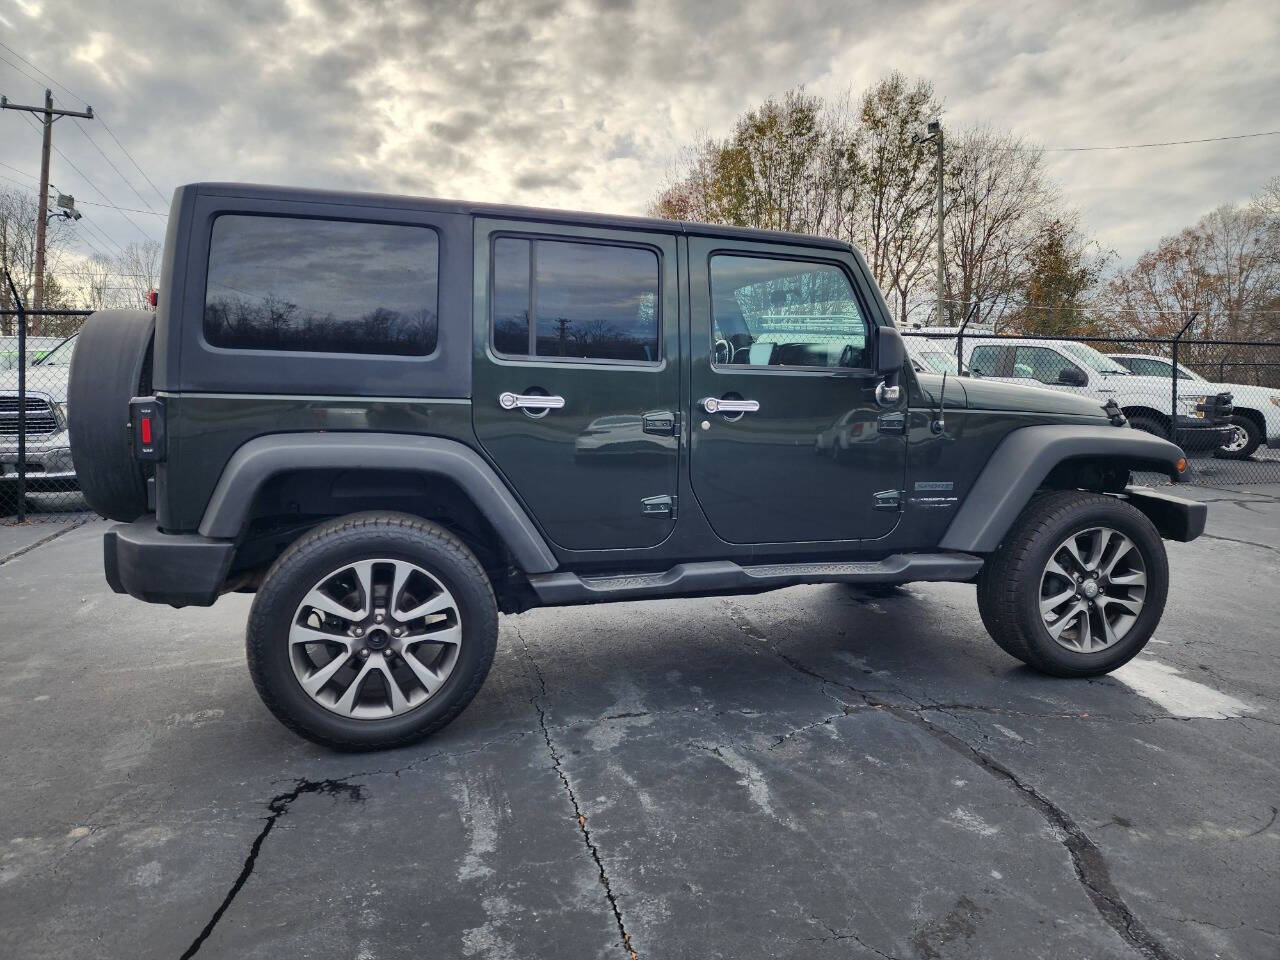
{"points": [[111, 365]]}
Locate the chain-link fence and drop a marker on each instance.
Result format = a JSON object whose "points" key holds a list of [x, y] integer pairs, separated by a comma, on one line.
{"points": [[1222, 407], [37, 475]]}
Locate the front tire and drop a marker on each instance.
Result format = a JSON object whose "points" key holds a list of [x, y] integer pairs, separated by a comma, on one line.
{"points": [[374, 630], [1246, 437], [1078, 585]]}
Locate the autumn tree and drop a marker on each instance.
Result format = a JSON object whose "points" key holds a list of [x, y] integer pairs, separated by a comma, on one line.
{"points": [[1063, 268]]}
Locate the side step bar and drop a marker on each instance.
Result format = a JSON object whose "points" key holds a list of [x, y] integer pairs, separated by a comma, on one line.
{"points": [[724, 576]]}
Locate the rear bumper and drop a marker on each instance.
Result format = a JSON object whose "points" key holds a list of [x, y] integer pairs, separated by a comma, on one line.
{"points": [[1175, 517], [180, 569]]}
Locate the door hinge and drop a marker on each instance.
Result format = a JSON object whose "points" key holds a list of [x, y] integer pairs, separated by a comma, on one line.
{"points": [[662, 423], [664, 507], [887, 500]]}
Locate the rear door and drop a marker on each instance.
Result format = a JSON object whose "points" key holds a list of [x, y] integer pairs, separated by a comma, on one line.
{"points": [[587, 319]]}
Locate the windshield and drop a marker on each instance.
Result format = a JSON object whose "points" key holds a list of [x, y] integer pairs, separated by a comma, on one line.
{"points": [[59, 356], [1094, 360]]}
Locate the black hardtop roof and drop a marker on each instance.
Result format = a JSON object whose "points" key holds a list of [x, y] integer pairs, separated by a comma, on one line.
{"points": [[507, 212]]}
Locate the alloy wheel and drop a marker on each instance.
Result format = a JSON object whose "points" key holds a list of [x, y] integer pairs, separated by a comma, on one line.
{"points": [[375, 639], [1092, 590], [1239, 440]]}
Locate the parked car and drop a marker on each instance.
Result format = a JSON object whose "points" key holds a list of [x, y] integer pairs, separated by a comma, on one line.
{"points": [[387, 418], [1202, 422], [1255, 410], [50, 467], [37, 347]]}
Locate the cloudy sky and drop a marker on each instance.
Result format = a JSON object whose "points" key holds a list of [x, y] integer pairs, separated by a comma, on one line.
{"points": [[584, 103]]}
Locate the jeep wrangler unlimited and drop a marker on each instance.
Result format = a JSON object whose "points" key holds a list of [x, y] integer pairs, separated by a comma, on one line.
{"points": [[393, 418]]}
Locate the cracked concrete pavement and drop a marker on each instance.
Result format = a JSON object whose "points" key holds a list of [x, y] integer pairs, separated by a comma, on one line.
{"points": [[816, 772]]}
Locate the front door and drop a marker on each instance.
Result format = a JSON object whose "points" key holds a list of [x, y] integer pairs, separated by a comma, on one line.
{"points": [[795, 447], [588, 320]]}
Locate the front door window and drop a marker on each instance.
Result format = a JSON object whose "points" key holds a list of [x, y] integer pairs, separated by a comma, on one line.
{"points": [[785, 313]]}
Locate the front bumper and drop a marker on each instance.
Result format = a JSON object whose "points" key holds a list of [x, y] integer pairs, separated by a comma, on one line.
{"points": [[1197, 436], [48, 459], [1175, 517], [180, 569]]}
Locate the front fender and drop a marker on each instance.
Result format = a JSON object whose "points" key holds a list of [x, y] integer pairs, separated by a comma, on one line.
{"points": [[264, 457], [1024, 458]]}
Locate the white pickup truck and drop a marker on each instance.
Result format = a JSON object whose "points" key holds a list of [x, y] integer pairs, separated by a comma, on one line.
{"points": [[1202, 421], [1255, 410]]}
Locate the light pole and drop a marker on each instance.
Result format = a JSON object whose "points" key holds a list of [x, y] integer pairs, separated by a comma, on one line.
{"points": [[934, 133]]}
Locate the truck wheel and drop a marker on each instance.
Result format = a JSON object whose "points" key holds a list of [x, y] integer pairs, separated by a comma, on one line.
{"points": [[1246, 437], [1078, 585], [1149, 425], [111, 365], [373, 630]]}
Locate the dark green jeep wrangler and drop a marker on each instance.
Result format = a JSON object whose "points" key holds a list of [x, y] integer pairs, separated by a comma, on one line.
{"points": [[394, 418]]}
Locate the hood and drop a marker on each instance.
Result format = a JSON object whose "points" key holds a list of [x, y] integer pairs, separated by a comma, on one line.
{"points": [[982, 394], [50, 381]]}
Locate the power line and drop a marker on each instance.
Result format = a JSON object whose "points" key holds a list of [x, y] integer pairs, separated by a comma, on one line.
{"points": [[112, 165], [112, 135], [1162, 143], [88, 203], [1096, 309], [76, 96], [84, 176], [103, 236], [73, 94]]}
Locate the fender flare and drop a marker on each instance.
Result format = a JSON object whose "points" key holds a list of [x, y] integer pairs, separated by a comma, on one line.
{"points": [[264, 457], [1022, 461]]}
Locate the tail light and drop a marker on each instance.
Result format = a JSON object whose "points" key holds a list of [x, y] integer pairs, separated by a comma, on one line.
{"points": [[146, 428]]}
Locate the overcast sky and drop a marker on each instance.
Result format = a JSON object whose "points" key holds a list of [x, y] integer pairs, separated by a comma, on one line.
{"points": [[582, 104]]}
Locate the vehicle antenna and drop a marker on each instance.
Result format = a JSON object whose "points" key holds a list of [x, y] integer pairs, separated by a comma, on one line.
{"points": [[939, 423]]}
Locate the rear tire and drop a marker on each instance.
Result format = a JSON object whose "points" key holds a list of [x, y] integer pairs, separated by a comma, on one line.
{"points": [[111, 365], [1244, 442], [1036, 600], [354, 584]]}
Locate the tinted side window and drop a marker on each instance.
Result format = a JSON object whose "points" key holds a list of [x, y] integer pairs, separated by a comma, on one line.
{"points": [[590, 301], [286, 283], [984, 361], [769, 312], [1144, 366], [1043, 364]]}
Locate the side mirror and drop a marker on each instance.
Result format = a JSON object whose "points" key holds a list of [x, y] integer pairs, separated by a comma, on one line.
{"points": [[891, 354], [1072, 377]]}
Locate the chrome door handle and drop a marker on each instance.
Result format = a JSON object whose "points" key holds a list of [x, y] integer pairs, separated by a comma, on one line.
{"points": [[716, 405], [528, 401]]}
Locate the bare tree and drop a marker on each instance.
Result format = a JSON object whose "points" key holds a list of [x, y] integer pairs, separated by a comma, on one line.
{"points": [[999, 203]]}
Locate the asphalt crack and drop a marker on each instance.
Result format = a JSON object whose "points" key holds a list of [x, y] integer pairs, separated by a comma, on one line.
{"points": [[66, 528], [1087, 861], [579, 816], [1247, 543], [278, 806]]}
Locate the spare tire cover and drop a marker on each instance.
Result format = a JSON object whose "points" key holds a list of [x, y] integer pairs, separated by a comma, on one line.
{"points": [[111, 365]]}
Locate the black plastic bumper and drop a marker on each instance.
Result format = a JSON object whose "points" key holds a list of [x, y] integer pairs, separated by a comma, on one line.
{"points": [[180, 569], [1175, 517], [1196, 436]]}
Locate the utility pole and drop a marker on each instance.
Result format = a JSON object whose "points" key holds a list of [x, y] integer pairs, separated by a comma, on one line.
{"points": [[936, 129], [48, 115], [934, 133]]}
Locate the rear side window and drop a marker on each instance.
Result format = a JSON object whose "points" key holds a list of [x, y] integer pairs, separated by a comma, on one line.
{"points": [[286, 283], [984, 361], [565, 299]]}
